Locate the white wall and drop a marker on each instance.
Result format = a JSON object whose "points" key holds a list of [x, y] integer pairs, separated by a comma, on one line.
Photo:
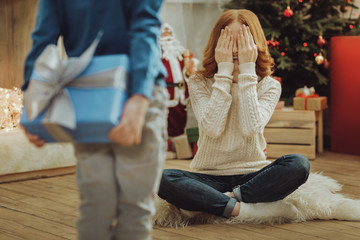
{"points": [[192, 21], [356, 12]]}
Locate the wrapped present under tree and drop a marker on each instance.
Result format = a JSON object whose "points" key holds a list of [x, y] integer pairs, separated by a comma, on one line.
{"points": [[315, 103]]}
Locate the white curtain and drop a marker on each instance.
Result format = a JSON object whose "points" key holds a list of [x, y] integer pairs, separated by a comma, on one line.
{"points": [[192, 21]]}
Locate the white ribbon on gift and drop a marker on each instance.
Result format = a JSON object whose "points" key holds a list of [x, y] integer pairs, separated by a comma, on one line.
{"points": [[50, 93]]}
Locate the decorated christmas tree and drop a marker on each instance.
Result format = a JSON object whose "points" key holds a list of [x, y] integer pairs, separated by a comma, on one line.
{"points": [[299, 34]]}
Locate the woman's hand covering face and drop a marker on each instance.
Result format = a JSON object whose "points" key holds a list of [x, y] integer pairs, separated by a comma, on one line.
{"points": [[240, 47], [224, 47], [247, 49]]}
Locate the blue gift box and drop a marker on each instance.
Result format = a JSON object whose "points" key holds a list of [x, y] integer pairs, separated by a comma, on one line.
{"points": [[97, 109]]}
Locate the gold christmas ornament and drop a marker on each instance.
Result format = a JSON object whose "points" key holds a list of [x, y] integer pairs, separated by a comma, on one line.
{"points": [[319, 59], [344, 9]]}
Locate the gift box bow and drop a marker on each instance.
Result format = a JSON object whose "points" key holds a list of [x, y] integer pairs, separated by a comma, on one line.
{"points": [[52, 74]]}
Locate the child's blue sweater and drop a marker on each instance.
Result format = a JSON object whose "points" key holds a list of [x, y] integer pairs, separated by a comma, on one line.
{"points": [[130, 26]]}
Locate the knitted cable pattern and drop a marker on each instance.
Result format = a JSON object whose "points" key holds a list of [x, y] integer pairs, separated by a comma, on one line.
{"points": [[231, 118]]}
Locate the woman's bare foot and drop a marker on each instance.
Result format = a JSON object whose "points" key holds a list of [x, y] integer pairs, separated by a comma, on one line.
{"points": [[229, 194]]}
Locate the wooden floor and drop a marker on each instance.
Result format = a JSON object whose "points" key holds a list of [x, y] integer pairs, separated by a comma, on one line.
{"points": [[47, 209]]}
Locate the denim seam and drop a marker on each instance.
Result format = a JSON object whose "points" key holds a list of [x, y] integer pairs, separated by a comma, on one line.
{"points": [[229, 208]]}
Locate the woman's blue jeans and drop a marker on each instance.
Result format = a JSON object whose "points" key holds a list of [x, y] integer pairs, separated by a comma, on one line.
{"points": [[205, 193]]}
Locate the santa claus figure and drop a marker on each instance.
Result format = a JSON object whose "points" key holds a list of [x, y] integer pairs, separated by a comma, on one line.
{"points": [[180, 64]]}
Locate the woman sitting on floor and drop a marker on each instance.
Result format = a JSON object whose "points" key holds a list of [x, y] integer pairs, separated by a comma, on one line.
{"points": [[233, 98]]}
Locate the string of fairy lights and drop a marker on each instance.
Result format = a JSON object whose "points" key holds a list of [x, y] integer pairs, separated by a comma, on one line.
{"points": [[11, 103]]}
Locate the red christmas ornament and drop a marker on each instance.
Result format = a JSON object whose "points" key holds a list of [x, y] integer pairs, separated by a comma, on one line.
{"points": [[277, 44], [305, 44], [282, 54], [270, 43], [326, 64], [273, 44], [321, 42], [288, 12], [351, 26]]}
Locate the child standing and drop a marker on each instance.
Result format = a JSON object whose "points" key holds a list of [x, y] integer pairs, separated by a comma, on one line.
{"points": [[117, 180]]}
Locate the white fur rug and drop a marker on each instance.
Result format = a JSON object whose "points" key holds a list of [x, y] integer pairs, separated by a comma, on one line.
{"points": [[318, 198], [17, 154]]}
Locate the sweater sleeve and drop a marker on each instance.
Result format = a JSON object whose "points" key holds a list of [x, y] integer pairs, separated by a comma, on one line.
{"points": [[256, 109], [145, 55], [211, 107], [47, 31]]}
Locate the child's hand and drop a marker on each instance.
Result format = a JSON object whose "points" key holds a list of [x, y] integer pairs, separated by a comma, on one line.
{"points": [[247, 50], [224, 47], [34, 139], [129, 129]]}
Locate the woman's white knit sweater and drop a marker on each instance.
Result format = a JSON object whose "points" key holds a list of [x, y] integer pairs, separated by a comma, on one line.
{"points": [[231, 118]]}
